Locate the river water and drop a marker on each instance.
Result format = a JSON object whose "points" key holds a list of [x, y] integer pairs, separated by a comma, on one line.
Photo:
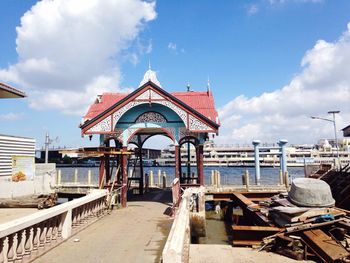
{"points": [[229, 175]]}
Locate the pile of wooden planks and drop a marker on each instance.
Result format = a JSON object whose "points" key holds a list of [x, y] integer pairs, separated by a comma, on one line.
{"points": [[302, 233], [309, 233]]}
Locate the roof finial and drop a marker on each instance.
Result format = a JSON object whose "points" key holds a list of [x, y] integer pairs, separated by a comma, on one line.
{"points": [[208, 85], [188, 86]]}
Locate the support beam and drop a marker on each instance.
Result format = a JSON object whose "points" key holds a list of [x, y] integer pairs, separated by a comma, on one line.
{"points": [[177, 161], [107, 166], [200, 168], [283, 158], [141, 164], [101, 176], [257, 161], [188, 161], [124, 178]]}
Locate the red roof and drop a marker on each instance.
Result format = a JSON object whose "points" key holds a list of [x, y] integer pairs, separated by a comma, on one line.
{"points": [[201, 101]]}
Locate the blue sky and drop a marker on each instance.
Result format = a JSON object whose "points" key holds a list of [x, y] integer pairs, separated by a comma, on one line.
{"points": [[247, 48]]}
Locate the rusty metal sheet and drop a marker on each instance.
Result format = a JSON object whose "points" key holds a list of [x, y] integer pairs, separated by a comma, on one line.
{"points": [[324, 246]]}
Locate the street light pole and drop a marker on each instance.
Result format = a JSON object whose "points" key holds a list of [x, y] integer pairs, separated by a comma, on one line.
{"points": [[335, 129], [335, 132]]}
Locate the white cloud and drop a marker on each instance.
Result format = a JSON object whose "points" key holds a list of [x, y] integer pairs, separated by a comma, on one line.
{"points": [[323, 85], [70, 51], [172, 46], [252, 9], [11, 116], [275, 2]]}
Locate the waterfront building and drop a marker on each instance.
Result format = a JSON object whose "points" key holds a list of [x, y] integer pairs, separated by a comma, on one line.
{"points": [[323, 152]]}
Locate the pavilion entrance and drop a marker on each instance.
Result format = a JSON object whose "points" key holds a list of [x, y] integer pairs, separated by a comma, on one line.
{"points": [[185, 117]]}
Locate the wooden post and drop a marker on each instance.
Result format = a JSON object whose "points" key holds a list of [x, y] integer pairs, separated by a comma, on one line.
{"points": [[75, 175], [286, 179], [146, 182], [141, 163], [151, 181], [59, 177], [107, 166], [89, 177], [101, 172], [200, 165], [177, 161], [246, 175], [218, 182], [159, 176], [164, 180], [124, 178], [281, 177]]}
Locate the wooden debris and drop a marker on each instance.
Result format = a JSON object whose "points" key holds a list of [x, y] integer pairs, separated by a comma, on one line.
{"points": [[324, 246], [31, 201]]}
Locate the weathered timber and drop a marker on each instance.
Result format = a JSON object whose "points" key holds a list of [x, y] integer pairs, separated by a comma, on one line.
{"points": [[252, 235], [31, 201], [324, 246]]}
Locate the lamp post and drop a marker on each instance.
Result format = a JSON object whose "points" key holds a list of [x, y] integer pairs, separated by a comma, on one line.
{"points": [[335, 128]]}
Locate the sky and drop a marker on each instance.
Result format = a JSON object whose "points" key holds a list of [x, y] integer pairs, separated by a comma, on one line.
{"points": [[271, 63]]}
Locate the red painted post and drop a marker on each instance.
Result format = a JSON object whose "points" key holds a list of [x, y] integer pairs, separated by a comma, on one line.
{"points": [[200, 164], [177, 161], [124, 178]]}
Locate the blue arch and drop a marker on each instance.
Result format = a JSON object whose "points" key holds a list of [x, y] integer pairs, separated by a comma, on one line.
{"points": [[129, 117]]}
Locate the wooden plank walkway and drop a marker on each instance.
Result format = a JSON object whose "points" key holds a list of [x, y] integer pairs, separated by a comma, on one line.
{"points": [[134, 234]]}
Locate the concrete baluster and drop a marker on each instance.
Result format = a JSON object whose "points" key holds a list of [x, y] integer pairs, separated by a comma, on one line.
{"points": [[42, 237], [151, 178], [36, 235], [78, 216], [164, 180], [55, 229], [21, 237], [89, 177], [159, 177], [28, 247], [49, 223], [12, 245], [60, 226], [2, 249]]}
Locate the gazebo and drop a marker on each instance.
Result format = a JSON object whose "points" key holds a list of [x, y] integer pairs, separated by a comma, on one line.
{"points": [[185, 117]]}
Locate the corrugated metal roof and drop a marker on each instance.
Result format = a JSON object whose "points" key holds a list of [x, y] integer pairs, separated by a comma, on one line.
{"points": [[201, 101], [7, 91]]}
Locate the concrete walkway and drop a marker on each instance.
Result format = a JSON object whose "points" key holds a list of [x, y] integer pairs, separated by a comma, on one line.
{"points": [[227, 253], [134, 234]]}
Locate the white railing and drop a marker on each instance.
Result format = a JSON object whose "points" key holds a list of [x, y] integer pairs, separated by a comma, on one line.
{"points": [[28, 237], [176, 248]]}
